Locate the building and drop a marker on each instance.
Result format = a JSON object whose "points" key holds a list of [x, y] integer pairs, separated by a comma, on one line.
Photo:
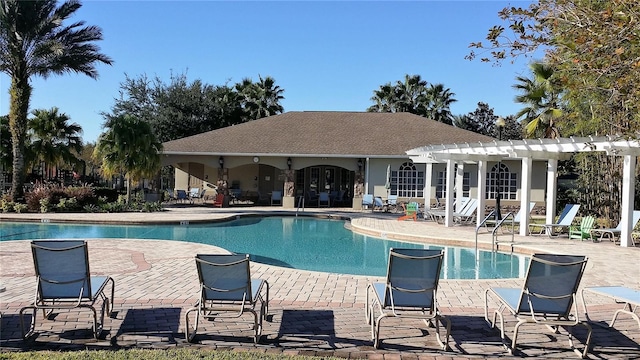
{"points": [[305, 153]]}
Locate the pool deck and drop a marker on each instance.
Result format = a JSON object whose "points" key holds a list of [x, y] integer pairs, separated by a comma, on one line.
{"points": [[311, 313]]}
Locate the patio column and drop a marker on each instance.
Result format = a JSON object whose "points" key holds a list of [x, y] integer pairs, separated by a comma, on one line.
{"points": [[525, 195], [628, 190], [428, 175], [459, 185], [448, 199], [482, 190], [552, 186]]}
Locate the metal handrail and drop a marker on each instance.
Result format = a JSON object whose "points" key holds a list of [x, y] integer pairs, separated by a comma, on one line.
{"points": [[494, 236], [300, 204], [482, 223]]}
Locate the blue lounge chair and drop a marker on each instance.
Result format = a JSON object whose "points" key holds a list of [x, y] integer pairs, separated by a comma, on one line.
{"points": [[226, 286], [367, 201], [630, 298], [276, 198], [324, 199], [410, 291], [548, 297], [564, 220], [65, 282]]}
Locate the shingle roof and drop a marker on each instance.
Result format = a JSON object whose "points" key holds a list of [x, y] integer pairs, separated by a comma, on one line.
{"points": [[326, 133]]}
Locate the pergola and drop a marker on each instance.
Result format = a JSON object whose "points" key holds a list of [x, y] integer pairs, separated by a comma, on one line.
{"points": [[549, 150]]}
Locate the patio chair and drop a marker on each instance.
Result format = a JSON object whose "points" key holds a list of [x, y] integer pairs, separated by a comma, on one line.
{"points": [[614, 233], [182, 195], [367, 200], [194, 193], [226, 286], [276, 198], [410, 211], [564, 220], [410, 291], [392, 203], [65, 282], [506, 220], [324, 199], [218, 201], [630, 298], [548, 297], [584, 230], [340, 199], [437, 214]]}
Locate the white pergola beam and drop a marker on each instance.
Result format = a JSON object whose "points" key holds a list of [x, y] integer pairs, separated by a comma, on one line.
{"points": [[628, 191]]}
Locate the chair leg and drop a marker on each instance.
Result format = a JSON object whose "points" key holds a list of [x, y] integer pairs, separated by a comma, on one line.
{"points": [[32, 325], [190, 333]]}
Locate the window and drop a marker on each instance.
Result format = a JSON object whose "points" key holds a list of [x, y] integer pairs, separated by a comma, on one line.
{"points": [[500, 177], [441, 185], [407, 181]]}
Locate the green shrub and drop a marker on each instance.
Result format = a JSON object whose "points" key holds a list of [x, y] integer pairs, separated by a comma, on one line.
{"points": [[20, 208], [45, 205], [68, 205], [84, 195], [7, 206]]}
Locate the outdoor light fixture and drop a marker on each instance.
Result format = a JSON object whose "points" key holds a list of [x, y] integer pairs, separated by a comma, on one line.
{"points": [[499, 124], [221, 162], [289, 163], [359, 164]]}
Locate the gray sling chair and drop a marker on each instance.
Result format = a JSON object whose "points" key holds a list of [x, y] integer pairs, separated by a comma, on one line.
{"points": [[548, 297], [410, 291], [226, 286], [64, 282]]}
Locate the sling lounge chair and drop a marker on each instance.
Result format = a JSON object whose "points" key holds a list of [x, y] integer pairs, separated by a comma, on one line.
{"points": [[410, 291], [507, 221], [226, 286], [564, 220], [630, 298], [614, 233], [64, 282], [548, 297]]}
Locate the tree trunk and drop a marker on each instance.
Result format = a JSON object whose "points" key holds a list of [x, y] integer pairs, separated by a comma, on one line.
{"points": [[20, 93]]}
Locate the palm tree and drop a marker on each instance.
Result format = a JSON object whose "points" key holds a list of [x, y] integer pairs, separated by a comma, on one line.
{"points": [[261, 99], [440, 100], [34, 42], [129, 147], [53, 141], [384, 99], [541, 96], [5, 144]]}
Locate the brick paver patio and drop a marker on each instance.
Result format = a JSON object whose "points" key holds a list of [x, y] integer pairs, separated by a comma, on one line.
{"points": [[311, 313]]}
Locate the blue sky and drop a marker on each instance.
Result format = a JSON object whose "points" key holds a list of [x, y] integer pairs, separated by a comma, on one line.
{"points": [[326, 55]]}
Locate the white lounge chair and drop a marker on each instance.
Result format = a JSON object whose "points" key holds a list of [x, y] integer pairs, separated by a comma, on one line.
{"points": [[547, 297], [507, 220], [614, 233]]}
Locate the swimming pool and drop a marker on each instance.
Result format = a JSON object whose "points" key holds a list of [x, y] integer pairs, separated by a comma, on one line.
{"points": [[295, 242]]}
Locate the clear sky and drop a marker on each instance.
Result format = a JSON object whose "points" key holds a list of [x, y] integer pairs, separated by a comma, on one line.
{"points": [[326, 55]]}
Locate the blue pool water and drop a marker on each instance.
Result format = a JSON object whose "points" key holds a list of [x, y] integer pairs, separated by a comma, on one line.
{"points": [[294, 242]]}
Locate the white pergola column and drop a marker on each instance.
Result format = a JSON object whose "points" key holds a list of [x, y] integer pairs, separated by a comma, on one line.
{"points": [[628, 190], [448, 199], [525, 195], [482, 190], [366, 176], [428, 175], [459, 185], [552, 186]]}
